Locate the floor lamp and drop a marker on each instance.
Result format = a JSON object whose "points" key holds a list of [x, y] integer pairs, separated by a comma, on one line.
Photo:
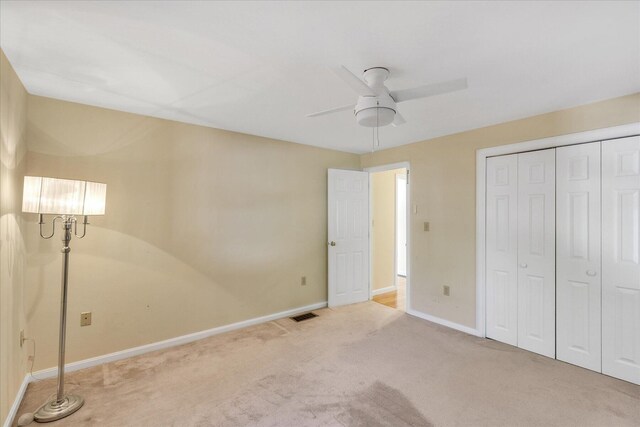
{"points": [[65, 199]]}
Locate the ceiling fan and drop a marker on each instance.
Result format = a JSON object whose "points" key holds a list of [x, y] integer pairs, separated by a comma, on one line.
{"points": [[376, 104]]}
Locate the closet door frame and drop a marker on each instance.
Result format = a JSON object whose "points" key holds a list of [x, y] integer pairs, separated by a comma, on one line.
{"points": [[481, 186]]}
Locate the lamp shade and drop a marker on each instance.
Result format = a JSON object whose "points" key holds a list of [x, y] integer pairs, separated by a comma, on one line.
{"points": [[44, 195]]}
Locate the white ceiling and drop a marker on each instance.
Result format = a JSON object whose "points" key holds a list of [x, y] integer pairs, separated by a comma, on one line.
{"points": [[260, 67]]}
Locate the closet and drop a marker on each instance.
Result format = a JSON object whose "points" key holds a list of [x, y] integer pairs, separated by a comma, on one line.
{"points": [[563, 254]]}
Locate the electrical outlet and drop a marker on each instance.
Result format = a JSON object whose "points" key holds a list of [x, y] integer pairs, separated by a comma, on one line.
{"points": [[426, 226], [85, 318], [446, 290], [303, 281]]}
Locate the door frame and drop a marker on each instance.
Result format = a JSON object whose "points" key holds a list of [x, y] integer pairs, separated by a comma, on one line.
{"points": [[384, 168], [614, 132], [399, 177]]}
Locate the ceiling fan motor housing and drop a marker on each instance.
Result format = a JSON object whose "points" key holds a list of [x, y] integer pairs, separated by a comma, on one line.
{"points": [[372, 111]]}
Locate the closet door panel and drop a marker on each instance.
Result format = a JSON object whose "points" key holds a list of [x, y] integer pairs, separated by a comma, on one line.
{"points": [[578, 274], [502, 249], [536, 252], [621, 258]]}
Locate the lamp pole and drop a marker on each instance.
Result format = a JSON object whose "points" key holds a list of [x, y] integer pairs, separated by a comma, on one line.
{"points": [[66, 239], [62, 405]]}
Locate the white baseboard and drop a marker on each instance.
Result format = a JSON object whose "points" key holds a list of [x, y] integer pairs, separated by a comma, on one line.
{"points": [[16, 403], [172, 342], [383, 290], [444, 322]]}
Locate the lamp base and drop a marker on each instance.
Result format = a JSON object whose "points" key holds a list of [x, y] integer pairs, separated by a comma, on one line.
{"points": [[54, 410]]}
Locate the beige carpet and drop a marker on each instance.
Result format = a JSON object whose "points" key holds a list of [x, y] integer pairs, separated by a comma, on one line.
{"points": [[362, 365]]}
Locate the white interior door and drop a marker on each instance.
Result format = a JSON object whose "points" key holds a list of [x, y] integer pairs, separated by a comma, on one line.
{"points": [[578, 247], [536, 252], [401, 225], [348, 232], [621, 258], [502, 249]]}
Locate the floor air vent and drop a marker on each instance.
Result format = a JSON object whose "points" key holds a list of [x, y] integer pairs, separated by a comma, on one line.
{"points": [[305, 316]]}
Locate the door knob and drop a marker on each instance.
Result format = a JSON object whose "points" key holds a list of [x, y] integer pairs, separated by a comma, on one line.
{"points": [[332, 243], [523, 265], [591, 273]]}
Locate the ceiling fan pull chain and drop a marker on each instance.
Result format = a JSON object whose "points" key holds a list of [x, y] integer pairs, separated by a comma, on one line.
{"points": [[378, 124], [373, 140]]}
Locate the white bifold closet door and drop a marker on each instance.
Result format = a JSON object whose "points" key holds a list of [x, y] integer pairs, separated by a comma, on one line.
{"points": [[536, 252], [621, 258], [521, 250], [502, 249], [578, 255]]}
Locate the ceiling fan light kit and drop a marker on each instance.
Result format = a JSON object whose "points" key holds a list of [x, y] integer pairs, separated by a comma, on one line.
{"points": [[374, 112]]}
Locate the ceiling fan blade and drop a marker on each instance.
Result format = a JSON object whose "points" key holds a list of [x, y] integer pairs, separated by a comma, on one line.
{"points": [[332, 110], [429, 90], [360, 87], [398, 120]]}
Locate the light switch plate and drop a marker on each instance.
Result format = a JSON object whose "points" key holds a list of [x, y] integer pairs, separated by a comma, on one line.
{"points": [[426, 226]]}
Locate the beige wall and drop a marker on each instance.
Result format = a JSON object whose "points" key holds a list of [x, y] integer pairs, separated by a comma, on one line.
{"points": [[383, 230], [443, 188], [204, 228], [13, 148]]}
